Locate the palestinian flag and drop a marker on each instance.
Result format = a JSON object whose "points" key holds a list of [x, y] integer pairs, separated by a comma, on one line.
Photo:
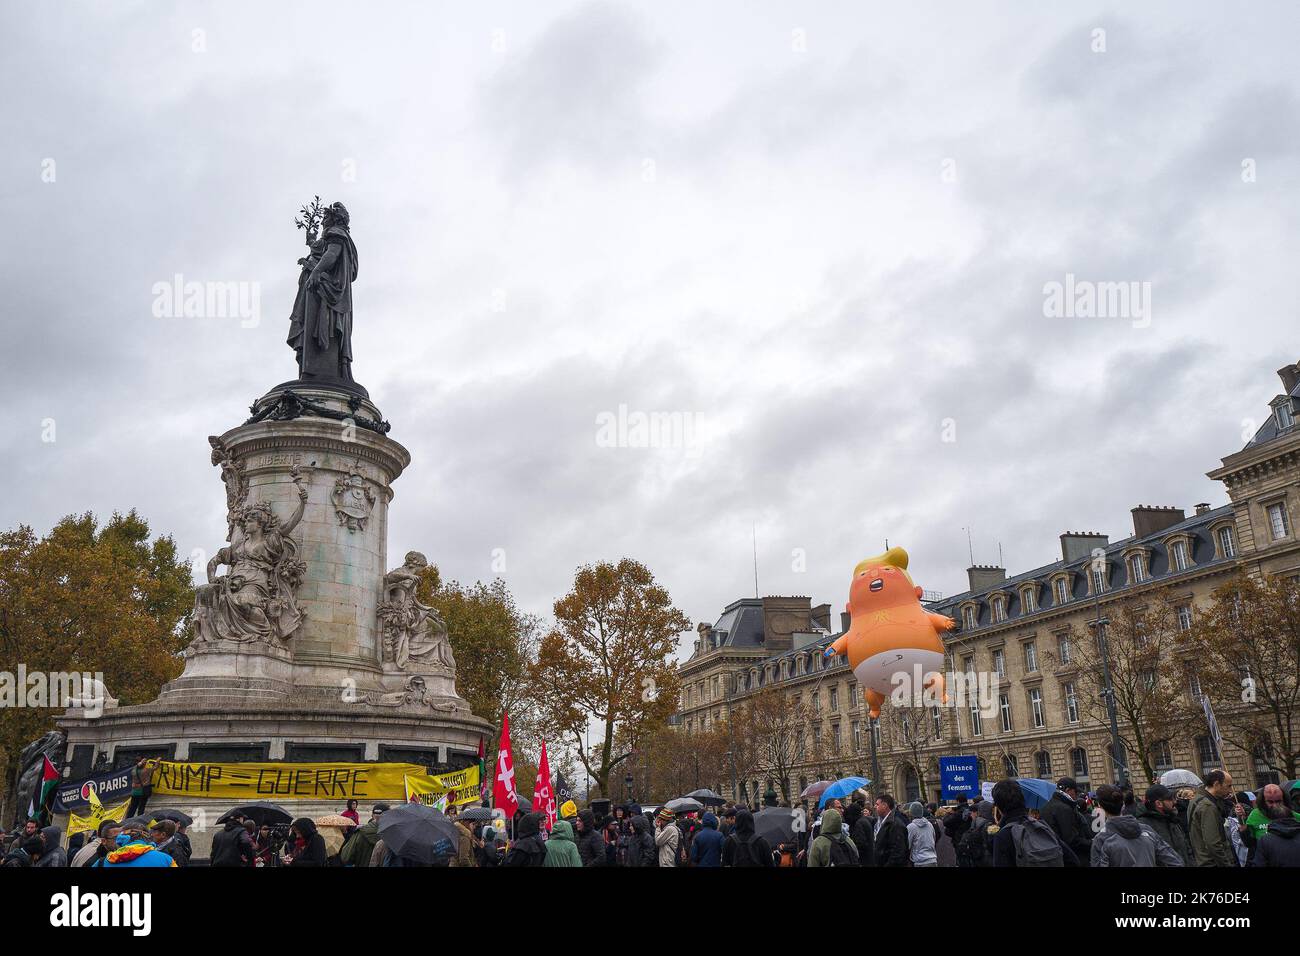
{"points": [[49, 779]]}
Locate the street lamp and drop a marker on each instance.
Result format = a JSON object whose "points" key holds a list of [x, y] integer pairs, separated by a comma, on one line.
{"points": [[1108, 689], [627, 783]]}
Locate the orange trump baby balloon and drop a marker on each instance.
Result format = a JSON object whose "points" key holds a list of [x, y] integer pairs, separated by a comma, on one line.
{"points": [[889, 632]]}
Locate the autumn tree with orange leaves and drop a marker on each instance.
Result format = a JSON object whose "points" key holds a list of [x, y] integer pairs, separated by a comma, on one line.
{"points": [[607, 663], [87, 598]]}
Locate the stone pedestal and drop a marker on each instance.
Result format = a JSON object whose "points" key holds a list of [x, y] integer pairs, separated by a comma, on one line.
{"points": [[293, 658]]}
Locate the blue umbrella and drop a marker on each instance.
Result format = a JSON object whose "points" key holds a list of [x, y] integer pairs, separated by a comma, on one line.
{"points": [[842, 788], [1037, 792]]}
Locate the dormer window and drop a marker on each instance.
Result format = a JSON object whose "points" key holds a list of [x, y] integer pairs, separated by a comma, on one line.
{"points": [[1097, 575], [1226, 539], [1060, 591], [1137, 568], [1283, 414], [999, 605], [1029, 600], [968, 618], [1180, 554]]}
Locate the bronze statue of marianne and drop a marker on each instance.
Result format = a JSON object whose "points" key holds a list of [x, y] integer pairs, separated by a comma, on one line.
{"points": [[320, 329]]}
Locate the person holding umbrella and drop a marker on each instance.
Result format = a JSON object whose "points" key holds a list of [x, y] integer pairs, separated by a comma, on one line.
{"points": [[232, 846], [745, 847]]}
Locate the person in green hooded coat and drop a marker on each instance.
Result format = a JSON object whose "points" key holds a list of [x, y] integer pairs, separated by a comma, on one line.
{"points": [[832, 846], [561, 849]]}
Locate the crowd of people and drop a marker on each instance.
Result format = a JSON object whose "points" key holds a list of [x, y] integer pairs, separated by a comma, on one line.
{"points": [[1209, 826]]}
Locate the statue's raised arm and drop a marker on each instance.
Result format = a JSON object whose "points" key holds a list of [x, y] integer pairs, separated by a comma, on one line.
{"points": [[292, 523]]}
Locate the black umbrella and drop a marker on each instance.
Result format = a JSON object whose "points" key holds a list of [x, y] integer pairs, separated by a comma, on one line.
{"points": [[136, 823], [167, 813], [707, 797], [260, 812], [476, 813], [775, 824], [413, 831]]}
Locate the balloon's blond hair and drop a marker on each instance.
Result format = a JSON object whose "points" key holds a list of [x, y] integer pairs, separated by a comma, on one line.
{"points": [[894, 557]]}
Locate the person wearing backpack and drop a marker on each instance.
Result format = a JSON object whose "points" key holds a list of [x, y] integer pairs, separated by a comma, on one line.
{"points": [[832, 846], [1061, 813], [1125, 840], [744, 847], [1022, 840], [974, 848]]}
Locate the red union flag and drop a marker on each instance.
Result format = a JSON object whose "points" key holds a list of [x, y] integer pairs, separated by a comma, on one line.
{"points": [[543, 794], [504, 796]]}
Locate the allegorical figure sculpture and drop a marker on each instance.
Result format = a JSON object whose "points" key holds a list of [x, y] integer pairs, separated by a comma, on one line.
{"points": [[320, 328], [414, 634], [255, 601]]}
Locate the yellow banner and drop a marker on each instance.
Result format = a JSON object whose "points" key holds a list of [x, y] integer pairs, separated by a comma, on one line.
{"points": [[286, 781], [456, 789], [96, 814]]}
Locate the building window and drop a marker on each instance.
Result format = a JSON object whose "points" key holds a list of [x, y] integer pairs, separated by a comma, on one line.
{"points": [[1208, 752], [976, 730], [1161, 755], [1029, 600], [1064, 650], [1036, 706], [937, 716], [1004, 707], [1010, 765], [1079, 764], [875, 732], [1000, 662], [1098, 580], [1263, 759], [1227, 542], [970, 665], [999, 609], [1071, 704], [817, 702], [1137, 571], [1044, 765], [835, 698], [1178, 555], [1061, 590], [1277, 520], [1282, 412], [968, 618], [1184, 617], [1194, 686], [857, 736], [1031, 658], [835, 738]]}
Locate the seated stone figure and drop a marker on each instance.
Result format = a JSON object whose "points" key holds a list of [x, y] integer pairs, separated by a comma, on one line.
{"points": [[414, 635], [255, 601]]}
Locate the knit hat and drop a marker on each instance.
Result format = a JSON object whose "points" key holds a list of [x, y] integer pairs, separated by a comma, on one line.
{"points": [[666, 815], [916, 810]]}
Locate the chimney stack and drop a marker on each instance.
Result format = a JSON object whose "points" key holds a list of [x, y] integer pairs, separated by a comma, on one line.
{"points": [[984, 576], [1148, 519], [1290, 375], [1202, 507], [821, 616], [1077, 545]]}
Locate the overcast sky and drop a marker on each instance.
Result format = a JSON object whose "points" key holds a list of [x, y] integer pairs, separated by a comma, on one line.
{"points": [[819, 232]]}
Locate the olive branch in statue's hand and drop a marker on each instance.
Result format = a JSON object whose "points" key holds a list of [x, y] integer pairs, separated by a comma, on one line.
{"points": [[310, 217]]}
